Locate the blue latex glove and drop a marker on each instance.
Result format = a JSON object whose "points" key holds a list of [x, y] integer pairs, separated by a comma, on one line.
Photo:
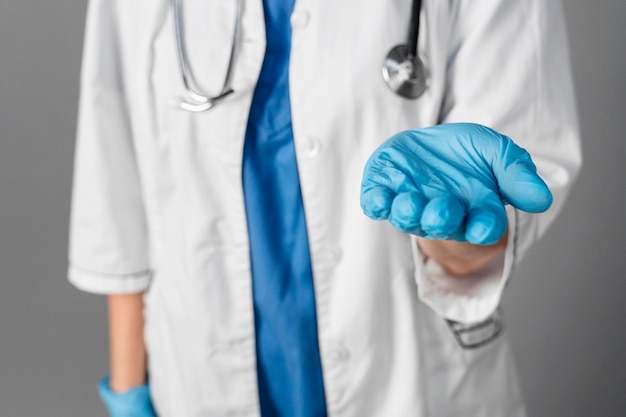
{"points": [[135, 402], [452, 182]]}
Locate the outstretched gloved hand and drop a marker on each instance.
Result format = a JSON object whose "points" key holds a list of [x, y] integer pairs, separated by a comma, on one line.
{"points": [[452, 182], [135, 402]]}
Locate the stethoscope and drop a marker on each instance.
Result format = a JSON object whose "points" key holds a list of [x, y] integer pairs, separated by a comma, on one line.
{"points": [[403, 70]]}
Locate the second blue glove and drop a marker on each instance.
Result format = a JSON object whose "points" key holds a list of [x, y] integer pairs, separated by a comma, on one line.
{"points": [[135, 402]]}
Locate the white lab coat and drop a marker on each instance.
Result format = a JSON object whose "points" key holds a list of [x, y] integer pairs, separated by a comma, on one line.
{"points": [[158, 200]]}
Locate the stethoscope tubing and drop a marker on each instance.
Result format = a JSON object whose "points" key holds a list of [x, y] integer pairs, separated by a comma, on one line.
{"points": [[197, 101], [403, 70], [414, 27]]}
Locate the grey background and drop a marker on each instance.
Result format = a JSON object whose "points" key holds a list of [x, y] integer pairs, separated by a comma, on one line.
{"points": [[565, 310]]}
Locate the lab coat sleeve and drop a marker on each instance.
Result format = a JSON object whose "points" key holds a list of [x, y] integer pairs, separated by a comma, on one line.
{"points": [[107, 251], [508, 68]]}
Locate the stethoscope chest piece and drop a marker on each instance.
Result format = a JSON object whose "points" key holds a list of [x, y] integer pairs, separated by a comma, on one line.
{"points": [[404, 72]]}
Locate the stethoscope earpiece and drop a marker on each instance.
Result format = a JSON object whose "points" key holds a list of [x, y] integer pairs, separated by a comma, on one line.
{"points": [[404, 72]]}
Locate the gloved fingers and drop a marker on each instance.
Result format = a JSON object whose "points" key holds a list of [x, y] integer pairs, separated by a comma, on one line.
{"points": [[376, 202], [380, 186], [406, 212], [519, 183], [486, 223], [443, 218]]}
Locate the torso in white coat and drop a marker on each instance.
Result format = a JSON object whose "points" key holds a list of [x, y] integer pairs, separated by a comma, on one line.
{"points": [[158, 199]]}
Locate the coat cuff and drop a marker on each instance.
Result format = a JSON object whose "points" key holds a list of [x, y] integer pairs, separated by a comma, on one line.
{"points": [[473, 298], [103, 283]]}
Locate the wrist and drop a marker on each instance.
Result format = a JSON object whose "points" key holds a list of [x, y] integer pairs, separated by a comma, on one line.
{"points": [[461, 258], [122, 382]]}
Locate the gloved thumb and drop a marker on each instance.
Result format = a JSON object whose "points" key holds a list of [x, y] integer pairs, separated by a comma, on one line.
{"points": [[519, 183]]}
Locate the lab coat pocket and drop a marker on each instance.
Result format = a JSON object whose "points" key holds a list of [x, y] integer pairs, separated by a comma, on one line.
{"points": [[473, 382]]}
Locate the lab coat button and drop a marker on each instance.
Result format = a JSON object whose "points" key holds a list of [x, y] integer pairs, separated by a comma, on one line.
{"points": [[338, 354], [330, 255], [300, 19], [312, 147]]}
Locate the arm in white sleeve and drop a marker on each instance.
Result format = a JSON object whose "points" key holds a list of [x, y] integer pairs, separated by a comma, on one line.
{"points": [[108, 233], [508, 69]]}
